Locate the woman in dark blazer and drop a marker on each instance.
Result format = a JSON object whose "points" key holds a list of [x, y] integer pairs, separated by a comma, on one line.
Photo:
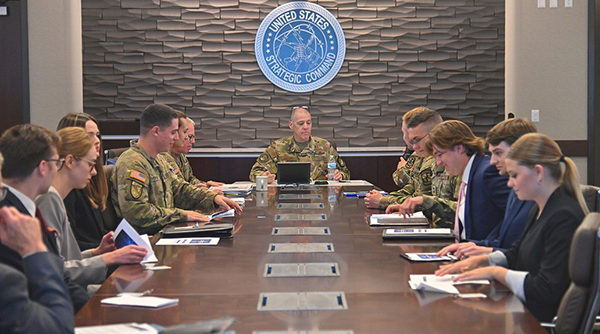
{"points": [[535, 268]]}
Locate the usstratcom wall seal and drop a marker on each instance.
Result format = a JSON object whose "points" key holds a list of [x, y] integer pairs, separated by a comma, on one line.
{"points": [[300, 46]]}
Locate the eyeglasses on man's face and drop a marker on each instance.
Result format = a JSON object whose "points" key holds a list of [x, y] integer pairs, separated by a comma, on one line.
{"points": [[191, 138], [59, 162], [415, 141]]}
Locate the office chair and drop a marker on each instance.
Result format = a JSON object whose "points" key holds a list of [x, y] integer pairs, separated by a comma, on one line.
{"points": [[580, 304], [111, 156], [109, 215], [592, 197]]}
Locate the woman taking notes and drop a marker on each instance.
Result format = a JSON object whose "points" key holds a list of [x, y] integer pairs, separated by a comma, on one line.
{"points": [[78, 156], [535, 268]]}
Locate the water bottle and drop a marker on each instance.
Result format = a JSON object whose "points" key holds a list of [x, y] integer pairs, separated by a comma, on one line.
{"points": [[331, 167], [332, 197]]}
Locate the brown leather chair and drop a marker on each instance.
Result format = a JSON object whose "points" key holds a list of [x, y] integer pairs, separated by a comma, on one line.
{"points": [[580, 304], [592, 197]]}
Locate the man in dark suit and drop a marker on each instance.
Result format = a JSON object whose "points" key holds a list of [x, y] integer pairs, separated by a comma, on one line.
{"points": [[483, 192], [499, 139], [30, 165], [37, 300]]}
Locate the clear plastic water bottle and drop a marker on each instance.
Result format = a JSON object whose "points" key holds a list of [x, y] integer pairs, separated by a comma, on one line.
{"points": [[331, 167]]}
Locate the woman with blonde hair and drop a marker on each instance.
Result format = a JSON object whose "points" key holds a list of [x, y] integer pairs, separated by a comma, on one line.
{"points": [[535, 268], [84, 206], [78, 156]]}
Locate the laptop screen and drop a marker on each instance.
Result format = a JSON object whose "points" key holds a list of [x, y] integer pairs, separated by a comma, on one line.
{"points": [[293, 172]]}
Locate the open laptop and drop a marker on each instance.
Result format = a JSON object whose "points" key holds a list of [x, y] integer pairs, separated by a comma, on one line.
{"points": [[293, 172]]}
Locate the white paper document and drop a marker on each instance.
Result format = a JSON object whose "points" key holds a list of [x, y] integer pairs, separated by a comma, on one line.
{"points": [[222, 214], [146, 301], [441, 284], [128, 328], [188, 242], [125, 235], [428, 257]]}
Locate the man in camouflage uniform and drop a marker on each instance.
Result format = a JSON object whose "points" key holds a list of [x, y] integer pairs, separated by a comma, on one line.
{"points": [[439, 206], [145, 191], [176, 156], [407, 160], [303, 147], [415, 175]]}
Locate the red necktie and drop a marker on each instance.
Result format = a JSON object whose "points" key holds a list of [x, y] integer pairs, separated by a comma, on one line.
{"points": [[45, 229]]}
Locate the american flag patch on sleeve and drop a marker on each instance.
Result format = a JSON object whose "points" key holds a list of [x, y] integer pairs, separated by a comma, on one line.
{"points": [[137, 175]]}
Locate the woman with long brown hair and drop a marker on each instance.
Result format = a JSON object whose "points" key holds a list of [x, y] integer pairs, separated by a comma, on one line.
{"points": [[535, 267], [84, 206], [78, 157]]}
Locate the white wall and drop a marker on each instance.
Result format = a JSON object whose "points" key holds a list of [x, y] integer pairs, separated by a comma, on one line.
{"points": [[55, 60], [546, 67]]}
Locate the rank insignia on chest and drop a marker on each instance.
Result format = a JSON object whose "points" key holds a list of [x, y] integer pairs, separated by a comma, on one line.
{"points": [[138, 175]]}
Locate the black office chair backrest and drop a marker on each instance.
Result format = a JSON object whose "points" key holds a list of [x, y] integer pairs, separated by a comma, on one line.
{"points": [[111, 156], [580, 304], [109, 215], [591, 196]]}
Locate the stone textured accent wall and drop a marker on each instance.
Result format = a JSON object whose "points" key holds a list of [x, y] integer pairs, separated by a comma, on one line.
{"points": [[198, 56]]}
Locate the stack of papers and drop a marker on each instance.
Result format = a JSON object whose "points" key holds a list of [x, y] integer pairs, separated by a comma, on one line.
{"points": [[416, 219], [235, 189], [239, 200], [441, 284], [415, 233], [146, 301]]}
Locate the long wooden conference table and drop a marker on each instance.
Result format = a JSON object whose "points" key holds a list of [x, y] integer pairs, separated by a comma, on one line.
{"points": [[371, 278]]}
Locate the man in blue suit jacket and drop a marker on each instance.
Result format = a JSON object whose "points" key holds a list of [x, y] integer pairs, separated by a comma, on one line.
{"points": [[30, 165], [483, 191], [499, 139]]}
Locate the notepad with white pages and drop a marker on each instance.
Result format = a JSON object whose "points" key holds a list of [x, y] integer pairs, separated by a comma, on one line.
{"points": [[145, 301]]}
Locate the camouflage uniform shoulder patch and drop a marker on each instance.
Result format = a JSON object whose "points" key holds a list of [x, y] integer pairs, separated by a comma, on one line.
{"points": [[137, 175]]}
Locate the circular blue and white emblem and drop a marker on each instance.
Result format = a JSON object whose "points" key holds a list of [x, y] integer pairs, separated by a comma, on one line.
{"points": [[300, 46]]}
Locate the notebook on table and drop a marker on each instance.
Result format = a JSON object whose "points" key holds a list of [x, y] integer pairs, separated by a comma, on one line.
{"points": [[293, 173]]}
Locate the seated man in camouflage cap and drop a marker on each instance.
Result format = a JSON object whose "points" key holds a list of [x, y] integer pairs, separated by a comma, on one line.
{"points": [[300, 147], [146, 191]]}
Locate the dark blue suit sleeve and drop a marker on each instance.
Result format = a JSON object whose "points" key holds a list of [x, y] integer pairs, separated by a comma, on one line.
{"points": [[46, 308], [497, 187]]}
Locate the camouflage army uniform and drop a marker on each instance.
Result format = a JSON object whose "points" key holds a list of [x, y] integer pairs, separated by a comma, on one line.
{"points": [[317, 152], [419, 182], [181, 167], [440, 208], [400, 176], [146, 192]]}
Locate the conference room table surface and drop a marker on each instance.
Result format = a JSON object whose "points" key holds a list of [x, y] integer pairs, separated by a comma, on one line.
{"points": [[227, 279]]}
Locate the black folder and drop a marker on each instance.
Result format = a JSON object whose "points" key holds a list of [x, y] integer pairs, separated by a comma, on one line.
{"points": [[210, 230]]}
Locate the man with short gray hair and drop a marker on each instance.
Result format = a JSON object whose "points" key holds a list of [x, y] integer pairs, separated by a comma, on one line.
{"points": [[303, 147]]}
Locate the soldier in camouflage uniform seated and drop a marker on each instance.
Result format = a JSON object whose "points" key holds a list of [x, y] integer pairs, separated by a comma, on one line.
{"points": [[300, 147], [145, 191], [439, 206], [417, 173], [407, 160], [176, 156]]}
